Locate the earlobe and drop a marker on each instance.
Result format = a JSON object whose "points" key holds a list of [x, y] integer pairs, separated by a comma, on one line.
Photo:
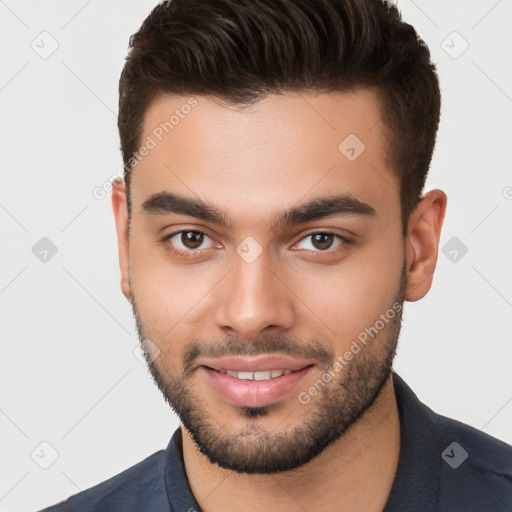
{"points": [[120, 208], [422, 245]]}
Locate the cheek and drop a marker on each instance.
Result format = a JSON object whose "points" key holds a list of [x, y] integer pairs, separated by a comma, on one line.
{"points": [[168, 296], [376, 287], [349, 297]]}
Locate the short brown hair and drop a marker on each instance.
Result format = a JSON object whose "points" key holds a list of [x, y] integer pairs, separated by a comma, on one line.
{"points": [[242, 50]]}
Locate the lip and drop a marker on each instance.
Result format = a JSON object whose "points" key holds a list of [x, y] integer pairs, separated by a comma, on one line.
{"points": [[254, 393]]}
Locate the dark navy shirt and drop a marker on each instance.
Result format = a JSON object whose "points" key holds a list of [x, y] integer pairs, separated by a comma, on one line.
{"points": [[444, 466]]}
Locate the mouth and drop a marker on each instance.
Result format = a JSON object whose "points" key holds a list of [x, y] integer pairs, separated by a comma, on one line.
{"points": [[262, 375], [255, 381]]}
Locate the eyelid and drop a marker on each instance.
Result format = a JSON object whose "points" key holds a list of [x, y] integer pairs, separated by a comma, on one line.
{"points": [[343, 238], [166, 240]]}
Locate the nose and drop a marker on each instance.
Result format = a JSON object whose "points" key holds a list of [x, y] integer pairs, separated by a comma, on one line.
{"points": [[254, 300]]}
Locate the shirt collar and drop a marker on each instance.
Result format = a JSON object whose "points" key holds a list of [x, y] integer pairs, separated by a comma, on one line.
{"points": [[416, 481], [177, 487]]}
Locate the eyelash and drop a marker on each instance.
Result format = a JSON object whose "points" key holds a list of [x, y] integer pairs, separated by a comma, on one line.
{"points": [[179, 252], [193, 253]]}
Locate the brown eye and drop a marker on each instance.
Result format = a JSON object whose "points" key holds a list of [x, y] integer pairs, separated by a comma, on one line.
{"points": [[189, 241], [192, 239], [322, 241]]}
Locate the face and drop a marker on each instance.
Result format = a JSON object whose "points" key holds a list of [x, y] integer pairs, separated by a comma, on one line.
{"points": [[266, 266]]}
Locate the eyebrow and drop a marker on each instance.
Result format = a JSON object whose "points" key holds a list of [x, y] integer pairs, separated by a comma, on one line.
{"points": [[163, 203]]}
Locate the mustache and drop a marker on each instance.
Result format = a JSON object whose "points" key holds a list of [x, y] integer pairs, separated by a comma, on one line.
{"points": [[272, 344]]}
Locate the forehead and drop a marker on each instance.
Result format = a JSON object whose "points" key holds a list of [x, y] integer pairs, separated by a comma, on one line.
{"points": [[272, 154]]}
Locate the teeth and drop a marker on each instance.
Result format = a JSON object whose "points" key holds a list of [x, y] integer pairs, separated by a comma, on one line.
{"points": [[264, 375], [245, 375]]}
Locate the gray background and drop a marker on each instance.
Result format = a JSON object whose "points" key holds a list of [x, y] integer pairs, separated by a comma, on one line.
{"points": [[69, 377]]}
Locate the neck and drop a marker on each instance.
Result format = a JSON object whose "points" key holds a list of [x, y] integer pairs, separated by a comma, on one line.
{"points": [[356, 472]]}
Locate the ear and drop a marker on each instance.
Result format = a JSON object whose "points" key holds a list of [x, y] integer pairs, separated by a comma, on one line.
{"points": [[120, 207], [422, 244]]}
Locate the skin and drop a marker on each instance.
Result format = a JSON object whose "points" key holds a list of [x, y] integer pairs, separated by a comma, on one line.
{"points": [[252, 164]]}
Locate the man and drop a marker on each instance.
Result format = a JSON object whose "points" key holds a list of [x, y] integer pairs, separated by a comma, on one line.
{"points": [[270, 226]]}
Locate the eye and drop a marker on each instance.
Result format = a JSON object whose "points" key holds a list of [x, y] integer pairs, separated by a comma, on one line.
{"points": [[189, 241], [321, 241]]}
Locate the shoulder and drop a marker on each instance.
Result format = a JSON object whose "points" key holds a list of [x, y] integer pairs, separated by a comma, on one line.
{"points": [[484, 452], [446, 465], [140, 487], [476, 468]]}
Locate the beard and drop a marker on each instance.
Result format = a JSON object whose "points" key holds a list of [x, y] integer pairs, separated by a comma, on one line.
{"points": [[252, 449]]}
